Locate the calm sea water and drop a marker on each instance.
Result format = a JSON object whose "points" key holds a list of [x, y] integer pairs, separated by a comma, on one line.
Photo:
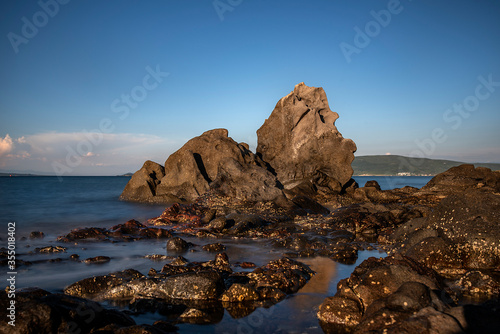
{"points": [[53, 207], [392, 182]]}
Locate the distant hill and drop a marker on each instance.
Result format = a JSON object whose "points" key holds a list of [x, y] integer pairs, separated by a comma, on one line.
{"points": [[399, 165]]}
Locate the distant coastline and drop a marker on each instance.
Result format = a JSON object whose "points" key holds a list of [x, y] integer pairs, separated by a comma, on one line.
{"points": [[397, 165]]}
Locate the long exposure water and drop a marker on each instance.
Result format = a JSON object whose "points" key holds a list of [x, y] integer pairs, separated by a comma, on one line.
{"points": [[54, 207]]}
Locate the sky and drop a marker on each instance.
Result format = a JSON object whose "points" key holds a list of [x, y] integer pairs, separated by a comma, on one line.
{"points": [[98, 87]]}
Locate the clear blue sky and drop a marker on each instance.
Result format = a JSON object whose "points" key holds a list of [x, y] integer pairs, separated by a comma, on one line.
{"points": [[228, 66]]}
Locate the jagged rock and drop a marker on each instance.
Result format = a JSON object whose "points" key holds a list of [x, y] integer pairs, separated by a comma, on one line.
{"points": [[142, 185], [301, 143]]}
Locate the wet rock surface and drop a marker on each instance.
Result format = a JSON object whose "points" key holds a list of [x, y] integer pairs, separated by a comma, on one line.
{"points": [[441, 258], [129, 231], [197, 292], [38, 311]]}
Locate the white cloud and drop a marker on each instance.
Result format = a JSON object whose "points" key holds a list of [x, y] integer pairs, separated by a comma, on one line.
{"points": [[6, 145], [84, 153]]}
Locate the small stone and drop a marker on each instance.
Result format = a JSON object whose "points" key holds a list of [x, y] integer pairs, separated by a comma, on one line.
{"points": [[97, 259], [36, 235], [177, 244]]}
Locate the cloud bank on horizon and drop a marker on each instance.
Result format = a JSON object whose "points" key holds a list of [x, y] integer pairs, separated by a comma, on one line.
{"points": [[98, 88]]}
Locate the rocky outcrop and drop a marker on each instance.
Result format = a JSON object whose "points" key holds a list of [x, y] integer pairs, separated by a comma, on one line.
{"points": [[142, 185], [379, 293], [301, 143], [298, 146], [210, 162]]}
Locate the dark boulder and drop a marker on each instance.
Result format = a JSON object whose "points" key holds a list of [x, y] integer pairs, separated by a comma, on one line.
{"points": [[470, 220], [463, 177], [40, 312], [142, 185], [36, 235], [372, 183], [239, 293], [93, 286], [177, 244], [309, 205], [97, 259], [194, 286], [300, 141]]}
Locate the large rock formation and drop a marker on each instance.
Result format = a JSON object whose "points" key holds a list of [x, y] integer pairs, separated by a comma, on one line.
{"points": [[298, 145], [192, 170], [301, 143]]}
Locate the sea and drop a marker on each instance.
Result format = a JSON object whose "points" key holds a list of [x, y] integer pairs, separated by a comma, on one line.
{"points": [[56, 206]]}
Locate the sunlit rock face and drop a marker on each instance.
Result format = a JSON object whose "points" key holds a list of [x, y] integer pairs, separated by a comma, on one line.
{"points": [[301, 142], [215, 160]]}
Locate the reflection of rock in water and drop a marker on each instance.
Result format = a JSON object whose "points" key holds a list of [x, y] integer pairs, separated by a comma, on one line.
{"points": [[303, 305], [325, 270]]}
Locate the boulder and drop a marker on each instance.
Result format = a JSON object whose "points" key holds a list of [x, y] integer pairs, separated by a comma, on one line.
{"points": [[38, 311], [195, 286], [190, 170], [460, 178], [142, 185], [301, 143], [177, 244]]}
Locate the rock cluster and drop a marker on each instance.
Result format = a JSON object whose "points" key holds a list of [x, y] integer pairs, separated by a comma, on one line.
{"points": [[439, 258], [198, 291], [298, 146]]}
